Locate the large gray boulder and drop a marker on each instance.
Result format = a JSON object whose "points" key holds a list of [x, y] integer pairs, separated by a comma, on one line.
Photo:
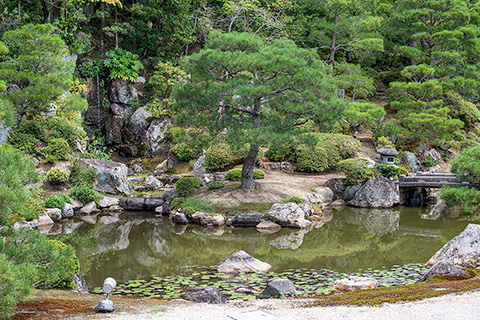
{"points": [[111, 176], [443, 268], [208, 219], [208, 295], [125, 92], [156, 136], [199, 168], [4, 133], [243, 262], [412, 160], [463, 250], [113, 129], [289, 215], [137, 125], [378, 192], [277, 288], [247, 220]]}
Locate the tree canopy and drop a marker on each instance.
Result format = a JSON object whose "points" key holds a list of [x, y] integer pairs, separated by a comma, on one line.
{"points": [[255, 91]]}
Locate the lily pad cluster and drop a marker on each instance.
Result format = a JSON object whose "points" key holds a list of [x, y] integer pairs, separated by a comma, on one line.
{"points": [[247, 286]]}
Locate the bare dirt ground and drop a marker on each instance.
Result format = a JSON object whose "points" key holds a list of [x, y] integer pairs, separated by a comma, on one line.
{"points": [[276, 186]]}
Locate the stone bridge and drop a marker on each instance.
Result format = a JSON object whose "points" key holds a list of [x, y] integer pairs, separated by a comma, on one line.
{"points": [[413, 191]]}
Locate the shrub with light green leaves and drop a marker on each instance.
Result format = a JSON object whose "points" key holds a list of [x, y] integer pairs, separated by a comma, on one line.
{"points": [[467, 198], [218, 156], [356, 170], [182, 151], [57, 201], [122, 64], [391, 171], [83, 175], [57, 149], [186, 186], [57, 176], [236, 174], [311, 159]]}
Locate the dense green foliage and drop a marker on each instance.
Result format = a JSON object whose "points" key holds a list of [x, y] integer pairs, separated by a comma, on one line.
{"points": [[466, 165], [16, 172], [236, 174], [216, 185], [14, 286], [122, 64], [186, 186], [357, 170], [57, 176], [57, 149], [218, 156], [83, 175], [391, 171], [467, 198], [51, 263], [57, 201], [83, 193]]}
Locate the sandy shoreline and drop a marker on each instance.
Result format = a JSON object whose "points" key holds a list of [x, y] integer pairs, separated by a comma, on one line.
{"points": [[455, 306]]}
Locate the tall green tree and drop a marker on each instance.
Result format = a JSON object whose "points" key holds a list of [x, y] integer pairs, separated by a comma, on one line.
{"points": [[255, 91], [363, 113], [36, 70]]}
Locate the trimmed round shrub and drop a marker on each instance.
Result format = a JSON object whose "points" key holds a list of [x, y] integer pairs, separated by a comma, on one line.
{"points": [[216, 185], [186, 186], [279, 152], [391, 171], [83, 193], [236, 174], [356, 170], [57, 201], [258, 174], [311, 160], [57, 149], [63, 128], [85, 175], [57, 176], [218, 156]]}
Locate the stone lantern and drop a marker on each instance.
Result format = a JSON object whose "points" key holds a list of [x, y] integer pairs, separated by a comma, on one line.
{"points": [[387, 155]]}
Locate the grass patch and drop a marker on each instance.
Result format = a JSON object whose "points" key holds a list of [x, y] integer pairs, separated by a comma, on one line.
{"points": [[434, 287], [228, 211]]}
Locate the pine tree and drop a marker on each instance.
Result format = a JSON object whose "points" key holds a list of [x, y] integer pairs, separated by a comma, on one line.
{"points": [[255, 91]]}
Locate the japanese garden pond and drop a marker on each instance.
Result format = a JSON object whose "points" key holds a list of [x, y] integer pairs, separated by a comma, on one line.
{"points": [[149, 256]]}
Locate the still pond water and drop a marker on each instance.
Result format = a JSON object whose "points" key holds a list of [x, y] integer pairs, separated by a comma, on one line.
{"points": [[142, 244]]}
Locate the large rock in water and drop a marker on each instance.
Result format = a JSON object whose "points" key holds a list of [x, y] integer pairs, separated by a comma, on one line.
{"points": [[111, 176], [378, 192], [277, 288], [243, 262], [443, 268], [208, 295], [289, 215], [463, 250]]}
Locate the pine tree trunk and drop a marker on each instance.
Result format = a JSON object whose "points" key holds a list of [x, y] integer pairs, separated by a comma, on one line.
{"points": [[247, 171]]}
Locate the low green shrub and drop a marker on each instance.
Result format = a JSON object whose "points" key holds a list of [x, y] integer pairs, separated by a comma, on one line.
{"points": [[428, 162], [33, 127], [83, 175], [15, 286], [391, 171], [25, 142], [186, 186], [258, 174], [182, 151], [218, 156], [236, 174], [356, 170], [311, 159], [57, 201], [216, 185], [55, 262], [83, 193], [57, 149], [57, 176], [296, 200]]}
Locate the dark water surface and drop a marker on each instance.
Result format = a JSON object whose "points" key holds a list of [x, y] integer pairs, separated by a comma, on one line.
{"points": [[142, 245]]}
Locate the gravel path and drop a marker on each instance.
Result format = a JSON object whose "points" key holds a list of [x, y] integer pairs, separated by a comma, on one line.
{"points": [[451, 307]]}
